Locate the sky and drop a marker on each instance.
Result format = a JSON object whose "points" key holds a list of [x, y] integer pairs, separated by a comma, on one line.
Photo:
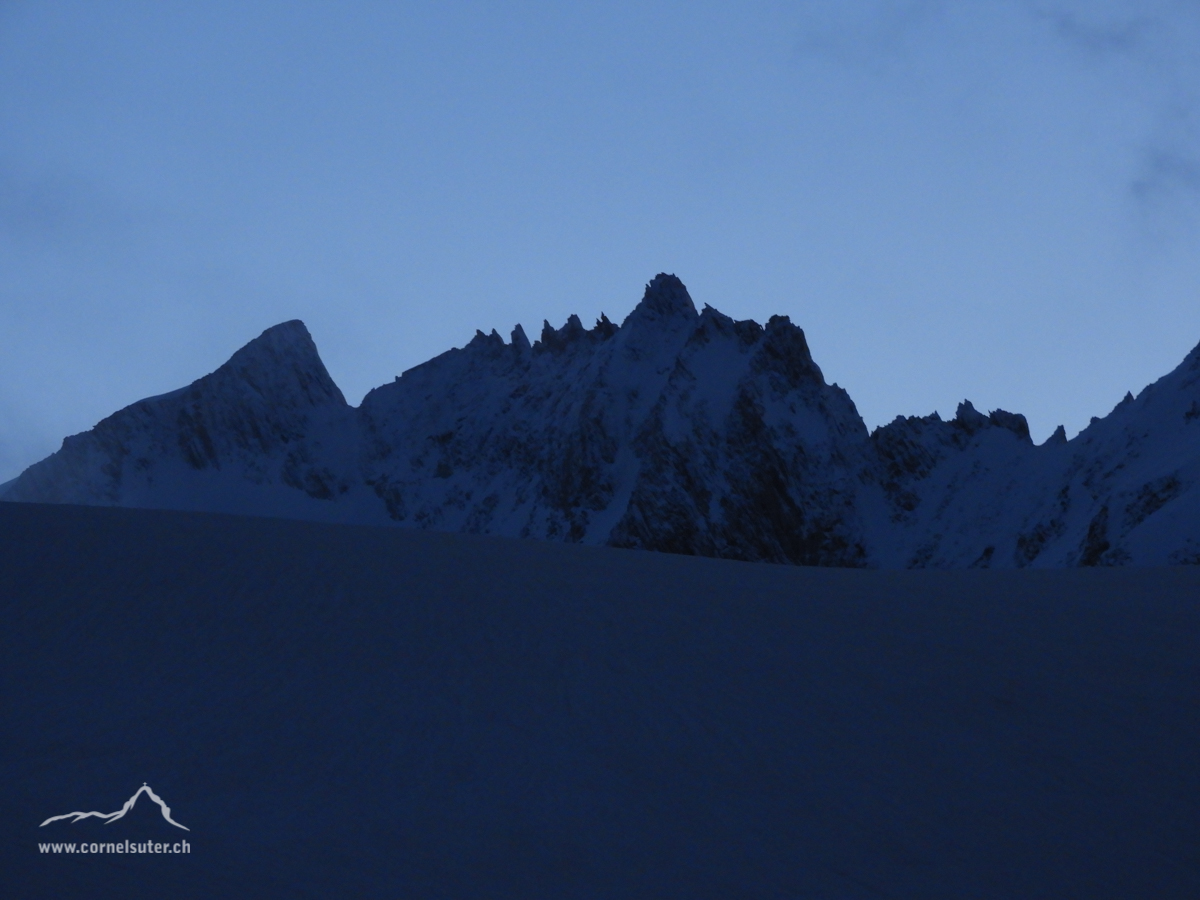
{"points": [[996, 200]]}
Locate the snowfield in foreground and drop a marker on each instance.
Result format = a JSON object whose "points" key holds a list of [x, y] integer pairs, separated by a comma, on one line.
{"points": [[345, 710], [677, 430]]}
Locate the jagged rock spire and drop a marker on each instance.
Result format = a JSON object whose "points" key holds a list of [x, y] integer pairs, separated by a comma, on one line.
{"points": [[665, 297]]}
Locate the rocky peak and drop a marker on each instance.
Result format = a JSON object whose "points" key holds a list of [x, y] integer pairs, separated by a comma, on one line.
{"points": [[665, 298], [1014, 422], [968, 418], [556, 340], [281, 364], [1059, 437], [785, 354], [519, 339]]}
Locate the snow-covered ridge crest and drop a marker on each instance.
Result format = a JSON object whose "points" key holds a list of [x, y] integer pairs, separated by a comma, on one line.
{"points": [[261, 419], [676, 430]]}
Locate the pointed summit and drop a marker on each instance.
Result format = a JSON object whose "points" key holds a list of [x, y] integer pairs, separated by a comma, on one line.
{"points": [[665, 298], [282, 362], [519, 340], [1059, 437], [968, 418], [290, 336]]}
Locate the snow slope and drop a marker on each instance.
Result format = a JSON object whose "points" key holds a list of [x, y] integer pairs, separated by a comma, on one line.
{"points": [[678, 430], [352, 711]]}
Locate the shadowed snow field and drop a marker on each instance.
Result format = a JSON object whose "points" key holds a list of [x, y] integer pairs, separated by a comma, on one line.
{"points": [[340, 710]]}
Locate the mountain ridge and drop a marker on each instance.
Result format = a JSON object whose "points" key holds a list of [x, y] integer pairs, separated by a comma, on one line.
{"points": [[678, 430]]}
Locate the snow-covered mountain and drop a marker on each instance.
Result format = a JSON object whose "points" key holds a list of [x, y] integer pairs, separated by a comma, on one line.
{"points": [[678, 431]]}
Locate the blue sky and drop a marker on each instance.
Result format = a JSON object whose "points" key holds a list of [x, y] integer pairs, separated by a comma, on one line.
{"points": [[997, 200]]}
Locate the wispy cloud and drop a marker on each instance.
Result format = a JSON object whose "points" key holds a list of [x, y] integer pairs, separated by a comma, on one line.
{"points": [[56, 210], [1167, 187], [1102, 37], [863, 34], [1146, 48], [1161, 38]]}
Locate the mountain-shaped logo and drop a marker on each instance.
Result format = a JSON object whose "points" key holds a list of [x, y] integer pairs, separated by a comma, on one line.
{"points": [[113, 816]]}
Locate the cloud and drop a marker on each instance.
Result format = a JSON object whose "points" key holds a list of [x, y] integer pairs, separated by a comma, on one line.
{"points": [[862, 34], [1098, 37], [56, 210], [1161, 39], [1141, 55], [1168, 182]]}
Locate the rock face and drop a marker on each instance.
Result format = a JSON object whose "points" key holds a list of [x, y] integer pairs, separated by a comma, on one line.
{"points": [[678, 430]]}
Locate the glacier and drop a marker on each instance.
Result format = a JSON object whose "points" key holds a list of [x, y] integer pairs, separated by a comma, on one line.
{"points": [[678, 430]]}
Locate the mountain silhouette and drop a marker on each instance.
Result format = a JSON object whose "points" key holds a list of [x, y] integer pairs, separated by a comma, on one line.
{"points": [[120, 813], [676, 430]]}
